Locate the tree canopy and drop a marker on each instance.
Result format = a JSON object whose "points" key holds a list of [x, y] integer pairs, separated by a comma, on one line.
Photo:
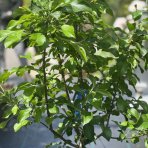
{"points": [[89, 81]]}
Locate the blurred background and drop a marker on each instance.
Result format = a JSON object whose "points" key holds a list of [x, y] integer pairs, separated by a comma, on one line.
{"points": [[37, 136]]}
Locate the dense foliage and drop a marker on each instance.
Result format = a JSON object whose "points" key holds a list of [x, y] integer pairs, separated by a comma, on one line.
{"points": [[89, 80]]}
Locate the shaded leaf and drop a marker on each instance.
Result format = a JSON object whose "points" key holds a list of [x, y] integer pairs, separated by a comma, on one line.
{"points": [[80, 50], [131, 26], [97, 102], [107, 133], [3, 124], [137, 15], [89, 131]]}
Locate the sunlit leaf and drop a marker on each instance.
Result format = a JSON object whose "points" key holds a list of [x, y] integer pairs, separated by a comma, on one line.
{"points": [[104, 54], [13, 39], [14, 109], [18, 126], [68, 31], [87, 117], [37, 39]]}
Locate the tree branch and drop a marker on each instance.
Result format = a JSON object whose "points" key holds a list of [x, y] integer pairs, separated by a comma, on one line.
{"points": [[46, 99], [63, 78], [45, 81], [99, 136], [59, 136]]}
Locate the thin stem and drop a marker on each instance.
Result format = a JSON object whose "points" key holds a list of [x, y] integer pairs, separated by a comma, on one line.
{"points": [[107, 124], [109, 115], [60, 136], [63, 77], [99, 136], [45, 82], [74, 96]]}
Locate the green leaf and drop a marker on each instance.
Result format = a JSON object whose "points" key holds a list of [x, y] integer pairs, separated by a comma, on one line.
{"points": [[104, 54], [49, 120], [104, 93], [131, 26], [4, 76], [14, 110], [38, 114], [89, 131], [54, 110], [21, 71], [56, 14], [121, 105], [145, 117], [18, 126], [97, 74], [77, 7], [144, 105], [29, 91], [134, 112], [27, 56], [112, 63], [107, 133], [4, 34], [7, 113], [143, 126], [69, 131], [12, 24], [135, 139], [97, 102], [37, 39], [13, 39], [122, 136], [80, 50], [68, 31], [137, 15], [87, 117], [24, 114], [96, 120], [21, 11], [146, 143], [3, 124], [57, 3], [104, 7], [124, 123]]}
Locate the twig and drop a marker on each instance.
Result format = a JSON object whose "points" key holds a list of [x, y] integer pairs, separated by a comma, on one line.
{"points": [[45, 81], [63, 78], [99, 136], [59, 136]]}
